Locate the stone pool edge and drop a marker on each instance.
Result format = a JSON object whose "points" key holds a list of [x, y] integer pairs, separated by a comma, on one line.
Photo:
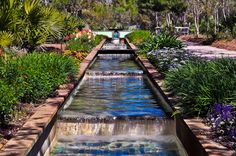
{"points": [[192, 127], [40, 126]]}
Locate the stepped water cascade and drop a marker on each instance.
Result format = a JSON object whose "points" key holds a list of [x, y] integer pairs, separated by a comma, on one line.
{"points": [[114, 111]]}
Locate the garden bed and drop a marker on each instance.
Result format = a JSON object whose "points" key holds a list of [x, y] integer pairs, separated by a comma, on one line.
{"points": [[35, 127], [203, 133], [225, 44], [25, 83], [201, 39], [13, 127]]}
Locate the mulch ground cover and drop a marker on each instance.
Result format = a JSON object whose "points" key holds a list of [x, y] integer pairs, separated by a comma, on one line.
{"points": [[203, 40], [225, 44], [24, 111]]}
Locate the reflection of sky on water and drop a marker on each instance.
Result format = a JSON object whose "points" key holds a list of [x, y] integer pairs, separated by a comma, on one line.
{"points": [[114, 62], [125, 96]]}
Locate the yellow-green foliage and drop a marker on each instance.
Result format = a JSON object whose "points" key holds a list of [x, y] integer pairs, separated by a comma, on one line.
{"points": [[32, 77], [138, 36]]}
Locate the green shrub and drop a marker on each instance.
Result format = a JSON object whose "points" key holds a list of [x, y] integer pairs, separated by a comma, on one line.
{"points": [[36, 75], [165, 40], [147, 46], [83, 44], [99, 38], [139, 36], [70, 23], [32, 77], [8, 99], [160, 41], [202, 83]]}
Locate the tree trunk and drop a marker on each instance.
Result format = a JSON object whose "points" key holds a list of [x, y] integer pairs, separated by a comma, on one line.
{"points": [[156, 16], [223, 9], [207, 23], [196, 13], [196, 22], [216, 19], [167, 21]]}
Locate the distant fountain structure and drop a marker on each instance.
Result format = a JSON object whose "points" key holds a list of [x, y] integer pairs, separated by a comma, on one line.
{"points": [[109, 45]]}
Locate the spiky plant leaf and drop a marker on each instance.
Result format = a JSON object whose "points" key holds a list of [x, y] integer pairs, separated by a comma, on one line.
{"points": [[6, 39], [29, 5]]}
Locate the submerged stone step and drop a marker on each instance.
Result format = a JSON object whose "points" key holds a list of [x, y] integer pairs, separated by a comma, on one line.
{"points": [[167, 145], [115, 73]]}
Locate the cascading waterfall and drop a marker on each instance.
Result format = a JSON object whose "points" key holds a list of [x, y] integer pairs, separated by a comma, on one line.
{"points": [[114, 112]]}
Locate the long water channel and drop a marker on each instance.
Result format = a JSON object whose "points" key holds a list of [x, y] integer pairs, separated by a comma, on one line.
{"points": [[115, 111]]}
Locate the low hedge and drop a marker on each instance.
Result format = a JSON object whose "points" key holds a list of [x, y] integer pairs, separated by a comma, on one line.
{"points": [[8, 100], [32, 77]]}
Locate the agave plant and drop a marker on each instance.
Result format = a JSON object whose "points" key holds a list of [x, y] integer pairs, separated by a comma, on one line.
{"points": [[6, 39]]}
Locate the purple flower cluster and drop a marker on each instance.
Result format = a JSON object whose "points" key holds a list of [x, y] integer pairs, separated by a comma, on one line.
{"points": [[222, 118]]}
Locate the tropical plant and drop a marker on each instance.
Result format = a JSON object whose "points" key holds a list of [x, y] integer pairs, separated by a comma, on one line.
{"points": [[201, 83], [30, 23], [7, 8], [6, 39], [70, 23], [139, 36], [163, 40], [39, 24]]}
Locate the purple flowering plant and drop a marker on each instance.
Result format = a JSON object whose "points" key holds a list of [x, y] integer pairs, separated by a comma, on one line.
{"points": [[222, 119]]}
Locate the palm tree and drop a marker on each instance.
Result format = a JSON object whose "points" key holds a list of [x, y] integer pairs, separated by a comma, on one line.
{"points": [[30, 23], [38, 24], [6, 9]]}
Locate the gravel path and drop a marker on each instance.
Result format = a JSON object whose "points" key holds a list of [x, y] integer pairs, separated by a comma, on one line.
{"points": [[208, 51]]}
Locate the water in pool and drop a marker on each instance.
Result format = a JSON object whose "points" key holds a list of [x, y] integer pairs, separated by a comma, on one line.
{"points": [[101, 97], [114, 64]]}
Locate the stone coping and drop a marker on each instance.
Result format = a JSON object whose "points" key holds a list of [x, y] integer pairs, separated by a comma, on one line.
{"points": [[195, 125], [31, 132], [201, 131]]}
